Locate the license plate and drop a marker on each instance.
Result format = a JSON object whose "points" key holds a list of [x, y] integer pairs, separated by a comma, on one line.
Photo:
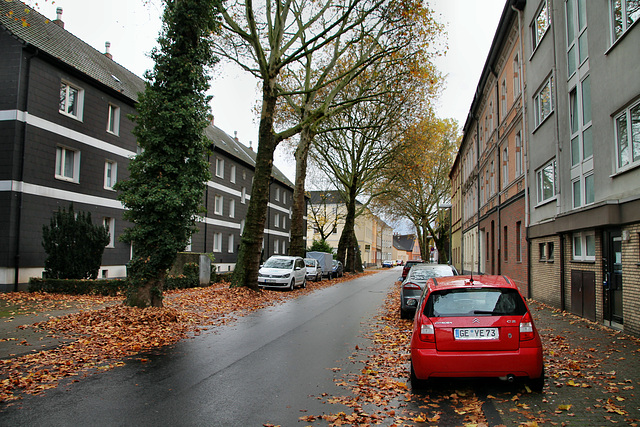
{"points": [[476, 333]]}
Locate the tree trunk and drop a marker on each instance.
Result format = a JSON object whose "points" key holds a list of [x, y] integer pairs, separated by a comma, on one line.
{"points": [[248, 264], [348, 251], [147, 294], [298, 230]]}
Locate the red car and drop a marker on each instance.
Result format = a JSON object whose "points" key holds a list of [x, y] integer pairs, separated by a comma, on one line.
{"points": [[475, 327]]}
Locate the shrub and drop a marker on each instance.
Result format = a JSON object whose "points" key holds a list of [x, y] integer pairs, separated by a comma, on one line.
{"points": [[320, 246], [111, 287], [74, 245]]}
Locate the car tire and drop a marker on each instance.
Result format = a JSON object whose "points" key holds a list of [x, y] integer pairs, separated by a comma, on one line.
{"points": [[404, 314], [416, 383], [304, 283], [292, 285], [537, 384]]}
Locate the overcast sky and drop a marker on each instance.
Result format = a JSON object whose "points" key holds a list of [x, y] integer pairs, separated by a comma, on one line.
{"points": [[132, 27]]}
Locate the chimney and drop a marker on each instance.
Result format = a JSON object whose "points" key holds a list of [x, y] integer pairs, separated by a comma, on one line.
{"points": [[107, 50], [213, 120], [58, 20], [235, 135], [251, 145]]}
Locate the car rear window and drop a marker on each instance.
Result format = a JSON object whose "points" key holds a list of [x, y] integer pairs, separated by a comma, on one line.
{"points": [[428, 273], [475, 302], [310, 262]]}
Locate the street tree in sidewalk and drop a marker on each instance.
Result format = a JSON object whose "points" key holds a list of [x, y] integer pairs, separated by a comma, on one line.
{"points": [[163, 194], [403, 46], [418, 183], [285, 40]]}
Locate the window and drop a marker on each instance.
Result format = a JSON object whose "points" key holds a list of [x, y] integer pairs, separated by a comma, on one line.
{"points": [[577, 193], [505, 250], [243, 195], [284, 198], [584, 246], [542, 251], [519, 241], [543, 102], [232, 208], [493, 178], [276, 220], [242, 223], [71, 100], [284, 221], [589, 190], [110, 225], [628, 137], [519, 153], [218, 205], [217, 242], [550, 251], [546, 182], [220, 168], [277, 195], [110, 174], [67, 164], [577, 51], [276, 246], [232, 174], [284, 247], [231, 244], [505, 167], [516, 77], [624, 13], [113, 121], [540, 24], [503, 100]]}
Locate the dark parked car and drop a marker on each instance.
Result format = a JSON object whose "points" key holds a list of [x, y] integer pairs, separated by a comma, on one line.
{"points": [[413, 285], [408, 265], [337, 269], [475, 327]]}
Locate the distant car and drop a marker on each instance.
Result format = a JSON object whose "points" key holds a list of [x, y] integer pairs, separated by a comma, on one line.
{"points": [[314, 271], [337, 269], [413, 284], [387, 264], [475, 327], [399, 262], [283, 272], [408, 265]]}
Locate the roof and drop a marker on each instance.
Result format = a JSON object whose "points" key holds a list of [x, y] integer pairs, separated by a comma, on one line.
{"points": [[224, 142], [37, 31], [34, 29], [404, 242]]}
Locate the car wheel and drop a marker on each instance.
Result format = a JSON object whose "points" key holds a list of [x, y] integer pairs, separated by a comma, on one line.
{"points": [[292, 285], [537, 384], [416, 383], [404, 314], [304, 283]]}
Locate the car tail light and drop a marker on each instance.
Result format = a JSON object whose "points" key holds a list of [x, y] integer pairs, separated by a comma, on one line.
{"points": [[427, 331], [411, 286], [526, 328]]}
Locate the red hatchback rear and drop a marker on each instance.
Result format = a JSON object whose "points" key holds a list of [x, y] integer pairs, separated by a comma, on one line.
{"points": [[478, 327]]}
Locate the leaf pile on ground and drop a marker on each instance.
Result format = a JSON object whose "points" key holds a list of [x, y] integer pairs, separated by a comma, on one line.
{"points": [[101, 337], [379, 392]]}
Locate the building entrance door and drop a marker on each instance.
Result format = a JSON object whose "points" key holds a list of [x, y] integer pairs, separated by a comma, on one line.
{"points": [[613, 314]]}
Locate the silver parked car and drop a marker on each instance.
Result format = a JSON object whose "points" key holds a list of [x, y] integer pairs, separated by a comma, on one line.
{"points": [[314, 270], [414, 283]]}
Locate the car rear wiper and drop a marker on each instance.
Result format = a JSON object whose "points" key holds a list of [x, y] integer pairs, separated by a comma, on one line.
{"points": [[490, 312]]}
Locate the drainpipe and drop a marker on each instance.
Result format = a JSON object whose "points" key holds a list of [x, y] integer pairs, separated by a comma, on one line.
{"points": [[478, 193], [16, 277], [498, 174]]}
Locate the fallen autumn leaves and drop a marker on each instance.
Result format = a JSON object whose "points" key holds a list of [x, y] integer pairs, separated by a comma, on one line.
{"points": [[103, 336]]}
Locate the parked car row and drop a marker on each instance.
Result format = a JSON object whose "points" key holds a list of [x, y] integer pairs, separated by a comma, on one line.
{"points": [[469, 327], [291, 272]]}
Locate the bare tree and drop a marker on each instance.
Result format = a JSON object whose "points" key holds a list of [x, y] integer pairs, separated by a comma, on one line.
{"points": [[279, 40]]}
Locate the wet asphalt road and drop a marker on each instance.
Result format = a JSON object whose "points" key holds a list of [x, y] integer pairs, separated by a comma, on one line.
{"points": [[268, 367]]}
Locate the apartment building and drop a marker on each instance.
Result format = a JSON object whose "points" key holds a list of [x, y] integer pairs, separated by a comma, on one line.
{"points": [[488, 176], [559, 158], [65, 137]]}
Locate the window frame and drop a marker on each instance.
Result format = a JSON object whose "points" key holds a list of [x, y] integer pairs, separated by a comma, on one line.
{"points": [[220, 167], [540, 199], [61, 160], [218, 204], [113, 119], [110, 174], [79, 102], [583, 237], [630, 143], [217, 242], [232, 208], [232, 174], [623, 19], [536, 35], [231, 243], [110, 224], [538, 102]]}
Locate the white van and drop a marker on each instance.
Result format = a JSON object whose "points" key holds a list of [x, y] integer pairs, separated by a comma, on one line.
{"points": [[283, 272]]}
